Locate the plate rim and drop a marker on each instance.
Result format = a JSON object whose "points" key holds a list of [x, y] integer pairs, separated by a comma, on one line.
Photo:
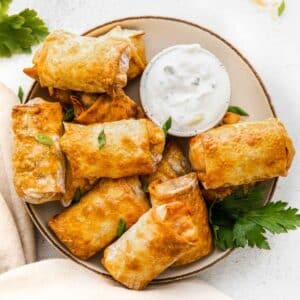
{"points": [[65, 252]]}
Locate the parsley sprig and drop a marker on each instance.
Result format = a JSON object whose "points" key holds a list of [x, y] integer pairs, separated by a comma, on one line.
{"points": [[242, 220], [19, 32]]}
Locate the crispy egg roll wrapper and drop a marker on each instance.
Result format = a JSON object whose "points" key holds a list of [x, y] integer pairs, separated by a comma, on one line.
{"points": [[185, 189], [38, 169], [172, 165], [241, 153], [72, 184], [137, 61], [154, 243], [110, 108], [132, 147], [88, 226], [105, 109], [71, 62]]}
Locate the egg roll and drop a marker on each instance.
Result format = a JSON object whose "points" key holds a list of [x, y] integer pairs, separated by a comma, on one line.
{"points": [[110, 108], [131, 147], [137, 61], [74, 185], [150, 246], [38, 163], [185, 189], [88, 226], [241, 153], [173, 164], [70, 62]]}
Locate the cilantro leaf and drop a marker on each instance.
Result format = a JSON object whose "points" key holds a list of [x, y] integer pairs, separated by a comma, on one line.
{"points": [[38, 28], [19, 32], [242, 220], [4, 5], [223, 237], [246, 233], [281, 8], [275, 217]]}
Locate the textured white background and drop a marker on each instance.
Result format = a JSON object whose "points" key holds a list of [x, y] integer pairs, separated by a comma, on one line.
{"points": [[273, 47]]}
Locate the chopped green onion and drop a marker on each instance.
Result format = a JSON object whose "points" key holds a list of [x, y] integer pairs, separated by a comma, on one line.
{"points": [[237, 110], [167, 125], [121, 227], [69, 115], [20, 94], [77, 195], [145, 187], [44, 139], [101, 139]]}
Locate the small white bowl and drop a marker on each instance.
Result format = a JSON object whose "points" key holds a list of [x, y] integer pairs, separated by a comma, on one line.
{"points": [[211, 110]]}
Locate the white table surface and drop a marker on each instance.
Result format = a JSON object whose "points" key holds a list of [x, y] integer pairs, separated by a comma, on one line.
{"points": [[272, 46]]}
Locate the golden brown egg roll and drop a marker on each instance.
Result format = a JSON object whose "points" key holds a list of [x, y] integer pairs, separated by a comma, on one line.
{"points": [[37, 159], [70, 62], [75, 185], [212, 195], [105, 109], [185, 189], [172, 165], [150, 246], [132, 147], [88, 226], [137, 61], [110, 108], [241, 153]]}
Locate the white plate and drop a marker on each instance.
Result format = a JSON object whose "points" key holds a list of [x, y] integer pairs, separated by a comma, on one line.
{"points": [[248, 92]]}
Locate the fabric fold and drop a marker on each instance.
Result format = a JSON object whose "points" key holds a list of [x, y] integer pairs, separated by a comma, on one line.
{"points": [[61, 278], [11, 251], [16, 206]]}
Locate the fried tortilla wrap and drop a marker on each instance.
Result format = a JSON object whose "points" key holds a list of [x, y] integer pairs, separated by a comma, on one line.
{"points": [[88, 226], [38, 162], [70, 62], [185, 189], [115, 149], [155, 242], [241, 153]]}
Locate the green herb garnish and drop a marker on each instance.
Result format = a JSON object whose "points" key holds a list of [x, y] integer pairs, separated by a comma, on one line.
{"points": [[77, 195], [101, 139], [237, 110], [242, 219], [145, 187], [167, 125], [19, 32], [44, 139], [20, 94], [69, 115], [121, 227], [281, 8]]}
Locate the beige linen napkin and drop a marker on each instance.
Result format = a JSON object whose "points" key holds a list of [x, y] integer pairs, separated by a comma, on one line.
{"points": [[16, 206], [11, 251], [63, 279]]}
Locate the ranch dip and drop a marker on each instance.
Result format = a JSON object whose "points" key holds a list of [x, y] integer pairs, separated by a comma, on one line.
{"points": [[188, 84]]}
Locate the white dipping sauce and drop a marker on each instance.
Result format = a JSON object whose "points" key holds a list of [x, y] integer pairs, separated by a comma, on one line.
{"points": [[188, 84]]}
